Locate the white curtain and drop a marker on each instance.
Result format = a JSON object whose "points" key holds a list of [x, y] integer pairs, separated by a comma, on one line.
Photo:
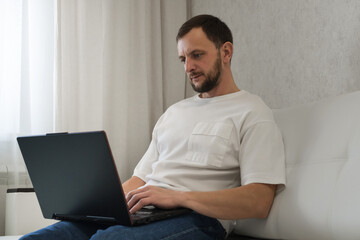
{"points": [[87, 65], [26, 78], [117, 69]]}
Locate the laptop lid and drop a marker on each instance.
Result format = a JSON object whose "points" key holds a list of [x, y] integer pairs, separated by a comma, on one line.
{"points": [[74, 176]]}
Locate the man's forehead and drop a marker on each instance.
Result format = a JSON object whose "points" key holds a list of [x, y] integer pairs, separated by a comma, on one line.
{"points": [[196, 39]]}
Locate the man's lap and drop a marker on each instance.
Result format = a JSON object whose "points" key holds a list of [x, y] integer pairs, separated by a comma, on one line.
{"points": [[189, 226]]}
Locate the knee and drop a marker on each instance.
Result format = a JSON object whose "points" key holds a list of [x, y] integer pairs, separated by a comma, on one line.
{"points": [[44, 233], [27, 237], [61, 231]]}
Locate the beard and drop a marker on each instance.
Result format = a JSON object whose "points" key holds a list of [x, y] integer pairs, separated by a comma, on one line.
{"points": [[211, 78]]}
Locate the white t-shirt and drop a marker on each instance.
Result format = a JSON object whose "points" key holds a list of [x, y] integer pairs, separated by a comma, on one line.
{"points": [[208, 144]]}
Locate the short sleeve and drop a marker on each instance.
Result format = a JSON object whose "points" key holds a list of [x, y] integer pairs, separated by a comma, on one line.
{"points": [[261, 155], [144, 167]]}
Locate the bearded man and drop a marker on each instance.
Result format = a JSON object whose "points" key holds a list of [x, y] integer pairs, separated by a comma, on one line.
{"points": [[218, 153]]}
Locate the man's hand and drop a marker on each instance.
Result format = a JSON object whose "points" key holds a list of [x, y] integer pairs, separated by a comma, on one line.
{"points": [[159, 197], [249, 201]]}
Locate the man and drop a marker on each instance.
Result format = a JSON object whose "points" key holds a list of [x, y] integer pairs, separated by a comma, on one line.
{"points": [[219, 153]]}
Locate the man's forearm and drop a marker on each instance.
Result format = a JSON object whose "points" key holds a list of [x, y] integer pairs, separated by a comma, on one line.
{"points": [[250, 201]]}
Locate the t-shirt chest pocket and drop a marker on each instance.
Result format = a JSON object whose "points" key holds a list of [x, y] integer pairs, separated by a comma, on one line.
{"points": [[208, 143]]}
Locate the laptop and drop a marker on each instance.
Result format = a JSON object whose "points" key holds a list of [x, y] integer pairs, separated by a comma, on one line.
{"points": [[75, 179]]}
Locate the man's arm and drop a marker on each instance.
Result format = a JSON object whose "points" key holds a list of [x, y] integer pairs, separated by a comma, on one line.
{"points": [[132, 184], [249, 201]]}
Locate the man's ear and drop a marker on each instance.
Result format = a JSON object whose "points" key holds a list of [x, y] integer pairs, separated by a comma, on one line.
{"points": [[227, 51]]}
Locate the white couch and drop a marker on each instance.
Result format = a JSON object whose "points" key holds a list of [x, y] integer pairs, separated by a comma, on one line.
{"points": [[322, 197]]}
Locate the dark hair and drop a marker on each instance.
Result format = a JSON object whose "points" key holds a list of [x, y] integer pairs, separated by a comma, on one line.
{"points": [[216, 30]]}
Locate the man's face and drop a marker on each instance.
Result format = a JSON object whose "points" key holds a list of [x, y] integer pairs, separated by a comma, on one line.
{"points": [[202, 61]]}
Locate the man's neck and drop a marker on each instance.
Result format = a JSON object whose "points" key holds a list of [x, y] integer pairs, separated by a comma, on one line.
{"points": [[226, 86]]}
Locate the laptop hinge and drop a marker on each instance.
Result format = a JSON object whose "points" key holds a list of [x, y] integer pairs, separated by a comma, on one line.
{"points": [[110, 220]]}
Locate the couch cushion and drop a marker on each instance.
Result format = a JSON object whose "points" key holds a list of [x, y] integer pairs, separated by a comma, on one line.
{"points": [[321, 200]]}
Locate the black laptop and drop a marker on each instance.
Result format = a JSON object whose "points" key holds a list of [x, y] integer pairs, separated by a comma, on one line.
{"points": [[75, 178]]}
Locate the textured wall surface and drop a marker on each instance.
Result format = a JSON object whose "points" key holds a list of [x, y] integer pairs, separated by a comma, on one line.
{"points": [[291, 52]]}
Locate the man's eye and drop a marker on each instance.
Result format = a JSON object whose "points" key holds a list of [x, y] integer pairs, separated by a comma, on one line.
{"points": [[197, 55]]}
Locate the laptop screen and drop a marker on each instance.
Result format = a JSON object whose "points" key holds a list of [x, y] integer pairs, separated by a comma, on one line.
{"points": [[74, 174]]}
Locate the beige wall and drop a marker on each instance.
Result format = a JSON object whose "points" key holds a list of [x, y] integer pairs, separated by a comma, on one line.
{"points": [[291, 52]]}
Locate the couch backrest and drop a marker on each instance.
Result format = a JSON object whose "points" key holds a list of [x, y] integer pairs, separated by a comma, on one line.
{"points": [[322, 196]]}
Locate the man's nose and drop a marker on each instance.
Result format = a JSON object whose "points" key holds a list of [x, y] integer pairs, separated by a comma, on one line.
{"points": [[189, 65]]}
